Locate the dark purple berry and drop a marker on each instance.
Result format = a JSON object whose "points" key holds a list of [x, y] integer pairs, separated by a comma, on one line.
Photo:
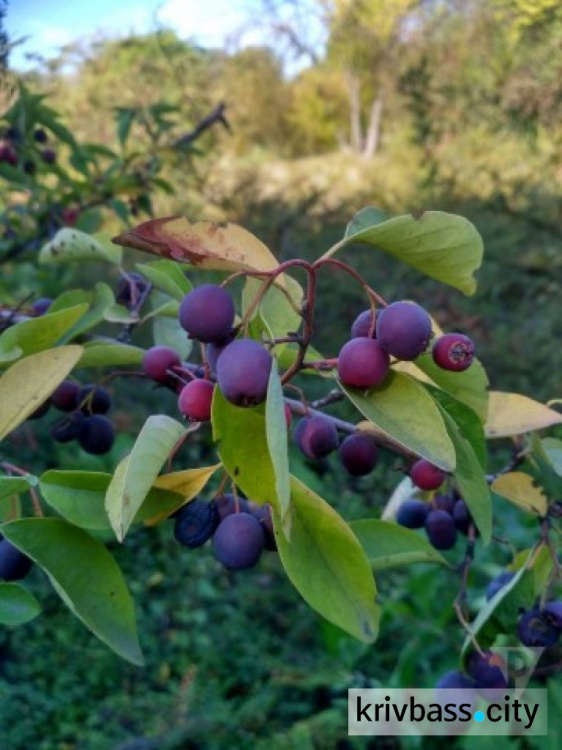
{"points": [[158, 360], [455, 680], [358, 454], [535, 629], [207, 313], [196, 522], [441, 530], [412, 514], [68, 428], [14, 565], [48, 155], [404, 329], [498, 583], [243, 371], [228, 504], [463, 517], [8, 153], [97, 435], [92, 399], [29, 167], [130, 289], [64, 397], [41, 306], [363, 326], [195, 400], [40, 135], [553, 611], [426, 476], [213, 352], [239, 541], [316, 436], [41, 410], [453, 351], [487, 670], [444, 502], [263, 514], [362, 363]]}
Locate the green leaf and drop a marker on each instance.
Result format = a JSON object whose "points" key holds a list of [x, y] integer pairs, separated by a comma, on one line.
{"points": [[70, 298], [365, 219], [79, 496], [136, 473], [17, 604], [327, 565], [101, 298], [168, 332], [38, 334], [469, 473], [553, 449], [391, 407], [125, 117], [101, 354], [69, 245], [86, 577], [387, 544], [28, 384], [243, 448], [440, 245], [15, 485], [500, 614], [467, 421], [276, 432], [120, 314], [167, 276], [275, 310]]}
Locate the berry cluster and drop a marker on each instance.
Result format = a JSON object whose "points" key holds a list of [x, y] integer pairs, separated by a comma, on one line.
{"points": [[442, 518], [85, 422], [240, 529], [484, 671], [14, 147]]}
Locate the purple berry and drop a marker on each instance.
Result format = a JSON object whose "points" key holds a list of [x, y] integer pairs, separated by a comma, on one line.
{"points": [[263, 514], [404, 329], [453, 351], [92, 399], [316, 436], [227, 505], [362, 326], [158, 360], [412, 514], [441, 530], [64, 397], [239, 541], [68, 428], [487, 670], [207, 313], [41, 306], [358, 454], [553, 611], [362, 363], [243, 371], [535, 629], [196, 522]]}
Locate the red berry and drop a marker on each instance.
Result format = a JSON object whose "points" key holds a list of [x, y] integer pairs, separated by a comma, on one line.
{"points": [[288, 415], [426, 476], [453, 351], [362, 363], [195, 400], [158, 360]]}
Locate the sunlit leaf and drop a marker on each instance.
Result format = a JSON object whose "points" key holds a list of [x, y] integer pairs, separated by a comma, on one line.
{"points": [[38, 334], [512, 414], [519, 489]]}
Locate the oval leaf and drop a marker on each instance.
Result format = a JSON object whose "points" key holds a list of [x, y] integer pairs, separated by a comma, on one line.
{"points": [[391, 406], [166, 276], [38, 334], [28, 384], [204, 244], [512, 414], [277, 437], [187, 484], [86, 577], [15, 485], [102, 354], [17, 604], [327, 565], [136, 474], [519, 489], [440, 245], [73, 245], [387, 544]]}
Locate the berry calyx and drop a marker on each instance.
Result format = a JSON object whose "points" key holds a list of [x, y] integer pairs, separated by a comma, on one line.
{"points": [[453, 351]]}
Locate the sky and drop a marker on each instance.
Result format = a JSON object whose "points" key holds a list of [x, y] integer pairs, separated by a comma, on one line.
{"points": [[50, 24]]}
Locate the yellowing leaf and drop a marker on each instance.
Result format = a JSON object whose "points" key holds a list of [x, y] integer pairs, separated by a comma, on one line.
{"points": [[518, 488], [187, 483], [204, 244], [513, 414], [28, 384]]}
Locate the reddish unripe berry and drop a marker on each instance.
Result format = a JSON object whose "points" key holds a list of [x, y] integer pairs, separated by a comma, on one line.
{"points": [[14, 565], [64, 397], [243, 372], [316, 436], [412, 514], [358, 454], [426, 476], [195, 400], [97, 435], [239, 541], [207, 313], [157, 360], [404, 329], [70, 216], [441, 530], [535, 629], [362, 363], [453, 351], [362, 326]]}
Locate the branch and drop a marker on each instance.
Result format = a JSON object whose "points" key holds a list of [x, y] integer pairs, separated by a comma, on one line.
{"points": [[217, 115]]}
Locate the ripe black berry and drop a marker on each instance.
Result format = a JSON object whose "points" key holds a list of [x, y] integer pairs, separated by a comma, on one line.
{"points": [[487, 670], [207, 313], [358, 454], [92, 399], [553, 611], [453, 351], [412, 514], [316, 436], [362, 363], [196, 522], [68, 428], [195, 400], [97, 435], [64, 397], [48, 155], [535, 629], [41, 410], [404, 329], [14, 565], [263, 514], [243, 370], [239, 541], [441, 529], [40, 135]]}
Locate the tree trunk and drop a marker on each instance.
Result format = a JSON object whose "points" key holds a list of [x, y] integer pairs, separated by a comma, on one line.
{"points": [[355, 113], [374, 131]]}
